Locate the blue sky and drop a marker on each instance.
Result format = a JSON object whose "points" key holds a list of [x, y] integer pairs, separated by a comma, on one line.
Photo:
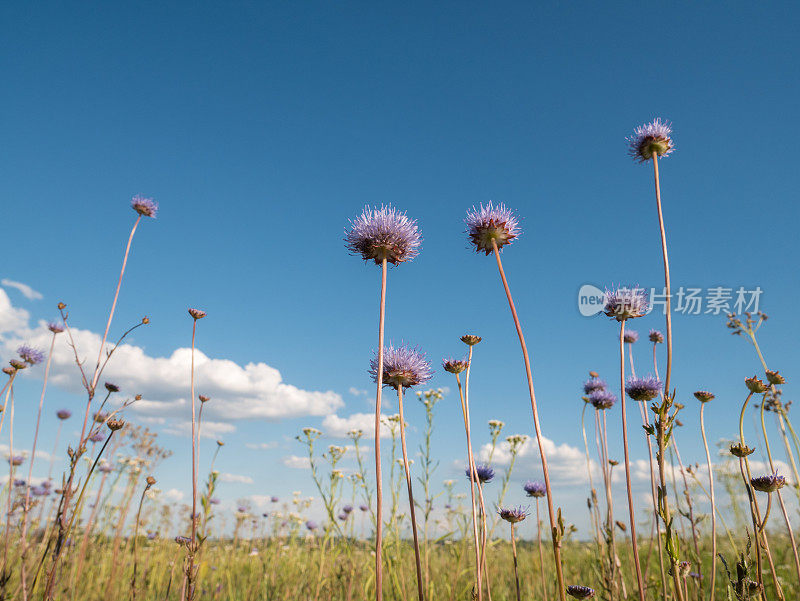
{"points": [[262, 128]]}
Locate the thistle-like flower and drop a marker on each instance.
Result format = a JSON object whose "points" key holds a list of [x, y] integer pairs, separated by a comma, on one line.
{"points": [[64, 414], [471, 339], [404, 366], [513, 515], [593, 384], [602, 399], [535, 489], [630, 336], [741, 450], [484, 472], [384, 233], [625, 303], [55, 327], [491, 222], [577, 591], [768, 483], [115, 424], [654, 137], [703, 396], [773, 377], [144, 206], [197, 314], [30, 355], [656, 337], [643, 389], [755, 385], [311, 525], [97, 436], [454, 366]]}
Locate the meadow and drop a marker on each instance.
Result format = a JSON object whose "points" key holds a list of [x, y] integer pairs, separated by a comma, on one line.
{"points": [[98, 529]]}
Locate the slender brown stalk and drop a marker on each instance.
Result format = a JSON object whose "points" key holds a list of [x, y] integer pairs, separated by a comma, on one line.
{"points": [[420, 593], [514, 552], [192, 546], [378, 479], [713, 503], [541, 551], [136, 536], [631, 512], [10, 482], [554, 528]]}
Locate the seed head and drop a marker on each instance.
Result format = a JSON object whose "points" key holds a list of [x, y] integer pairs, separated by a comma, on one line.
{"points": [[653, 137], [630, 336], [471, 339], [643, 389], [203, 398], [488, 223], [755, 385], [577, 591], [768, 483], [454, 366], [602, 399], [741, 450], [535, 489], [404, 366], [513, 515], [656, 337], [115, 424], [773, 377], [150, 481], [112, 387], [703, 396], [625, 303], [384, 233], [17, 364], [197, 314], [144, 206], [484, 472]]}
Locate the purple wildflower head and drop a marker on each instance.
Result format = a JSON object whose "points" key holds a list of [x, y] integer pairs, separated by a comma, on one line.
{"points": [[274, 499], [625, 303], [342, 516], [16, 460], [643, 389], [183, 540], [454, 366], [602, 399], [768, 483], [384, 233], [630, 336], [592, 384], [64, 413], [363, 508], [144, 206], [30, 355], [19, 483], [513, 515], [484, 472], [347, 508], [55, 327], [654, 137], [105, 468], [577, 591], [656, 337], [535, 488], [214, 501], [241, 509], [97, 436], [402, 366], [311, 525], [151, 535], [491, 223]]}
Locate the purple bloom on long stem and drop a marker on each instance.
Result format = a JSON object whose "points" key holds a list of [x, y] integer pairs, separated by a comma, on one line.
{"points": [[654, 137], [656, 337], [490, 222], [535, 489], [768, 483], [30, 355], [484, 472], [625, 303], [404, 366], [144, 206], [311, 525], [384, 233], [630, 336], [64, 413], [513, 514], [643, 389], [593, 384], [55, 327], [602, 399]]}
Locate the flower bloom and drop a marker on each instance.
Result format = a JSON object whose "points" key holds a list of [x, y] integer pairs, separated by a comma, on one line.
{"points": [[703, 396], [55, 327], [491, 223], [593, 384], [625, 303], [384, 233], [484, 472], [513, 515], [64, 413], [651, 138], [144, 206], [454, 366], [602, 399], [630, 336], [535, 489], [768, 483], [402, 366], [197, 314], [643, 389], [656, 337], [30, 355]]}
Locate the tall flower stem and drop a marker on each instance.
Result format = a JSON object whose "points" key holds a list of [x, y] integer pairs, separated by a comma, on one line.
{"points": [[667, 289], [713, 503], [412, 510], [10, 481], [472, 471], [554, 528], [646, 424], [135, 540], [378, 478], [631, 512], [541, 550], [514, 552], [190, 582], [744, 463]]}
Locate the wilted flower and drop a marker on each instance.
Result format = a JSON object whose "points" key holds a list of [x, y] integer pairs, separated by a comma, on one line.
{"points": [[484, 472], [17, 364], [602, 399], [651, 138], [144, 206], [491, 223], [768, 483], [643, 389], [347, 508], [577, 591], [203, 398], [402, 366], [384, 233], [513, 515], [593, 384], [197, 313], [625, 303], [30, 355], [112, 387], [115, 424], [535, 489], [64, 413], [470, 339], [454, 366], [741, 450], [755, 385], [703, 396], [630, 336], [55, 327], [773, 377], [656, 337]]}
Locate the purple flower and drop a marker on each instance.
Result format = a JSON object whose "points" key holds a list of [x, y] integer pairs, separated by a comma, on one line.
{"points": [[55, 327], [402, 366], [19, 483], [656, 337], [630, 336], [16, 460], [535, 489], [144, 206], [342, 516], [183, 540], [513, 514], [643, 389], [602, 399], [30, 355], [151, 535], [347, 508], [214, 501], [577, 591], [64, 413], [625, 303], [97, 436], [593, 384], [654, 137], [384, 233], [241, 509], [769, 483], [491, 223], [311, 525], [274, 499], [105, 468], [363, 508], [484, 472]]}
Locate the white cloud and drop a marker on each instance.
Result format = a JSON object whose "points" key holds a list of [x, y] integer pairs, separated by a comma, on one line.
{"points": [[357, 391], [296, 462], [26, 290], [567, 464], [251, 391], [237, 478], [173, 494], [261, 446], [338, 427], [208, 429]]}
